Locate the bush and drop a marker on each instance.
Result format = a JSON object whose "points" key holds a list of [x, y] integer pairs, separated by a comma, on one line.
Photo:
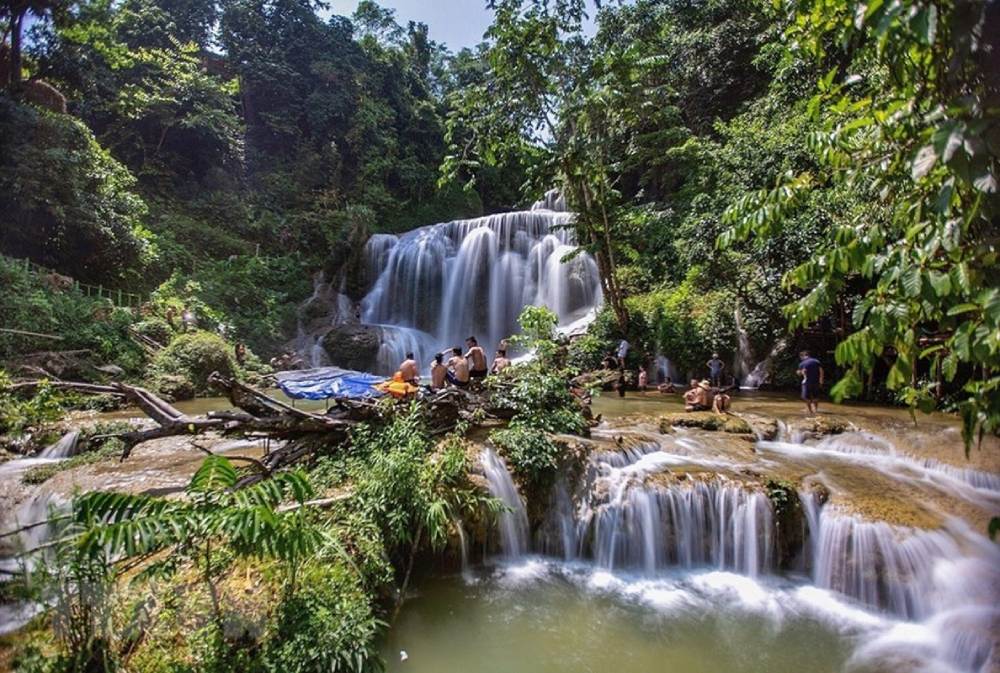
{"points": [[327, 625], [529, 452], [189, 359], [18, 415], [155, 328]]}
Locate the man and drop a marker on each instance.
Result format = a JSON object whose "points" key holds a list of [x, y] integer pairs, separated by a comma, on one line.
{"points": [[720, 401], [667, 387], [715, 367], [409, 370], [500, 362], [812, 375], [698, 396], [458, 369], [438, 373], [477, 359], [623, 347]]}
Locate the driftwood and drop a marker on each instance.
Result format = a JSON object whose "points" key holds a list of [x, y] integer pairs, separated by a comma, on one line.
{"points": [[301, 433]]}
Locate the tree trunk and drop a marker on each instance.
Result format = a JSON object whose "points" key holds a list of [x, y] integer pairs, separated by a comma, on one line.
{"points": [[16, 21]]}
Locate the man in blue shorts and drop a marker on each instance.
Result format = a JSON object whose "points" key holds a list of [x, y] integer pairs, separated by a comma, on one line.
{"points": [[812, 375]]}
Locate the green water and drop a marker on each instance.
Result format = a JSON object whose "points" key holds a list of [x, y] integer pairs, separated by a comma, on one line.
{"points": [[561, 624]]}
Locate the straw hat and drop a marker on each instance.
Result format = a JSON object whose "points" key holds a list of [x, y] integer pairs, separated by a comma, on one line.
{"points": [[705, 384]]}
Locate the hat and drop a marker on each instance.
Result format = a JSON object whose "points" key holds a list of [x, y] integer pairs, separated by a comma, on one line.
{"points": [[705, 385]]}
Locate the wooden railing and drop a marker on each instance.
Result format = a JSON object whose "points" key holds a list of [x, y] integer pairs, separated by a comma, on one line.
{"points": [[116, 297]]}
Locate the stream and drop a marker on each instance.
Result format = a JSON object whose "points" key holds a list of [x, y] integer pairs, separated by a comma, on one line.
{"points": [[666, 552]]}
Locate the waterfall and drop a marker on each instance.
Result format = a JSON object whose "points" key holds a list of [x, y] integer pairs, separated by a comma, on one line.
{"points": [[435, 286], [744, 355], [513, 522], [712, 524], [64, 448]]}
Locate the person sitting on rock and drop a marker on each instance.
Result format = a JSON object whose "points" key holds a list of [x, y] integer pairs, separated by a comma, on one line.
{"points": [[458, 369], [720, 401], [500, 362], [438, 373], [667, 387], [408, 368], [476, 357], [698, 397]]}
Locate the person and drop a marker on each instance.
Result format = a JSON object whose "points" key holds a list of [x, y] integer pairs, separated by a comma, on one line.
{"points": [[623, 347], [610, 361], [811, 371], [500, 362], [667, 387], [240, 352], [458, 369], [720, 401], [189, 320], [408, 368], [438, 373], [620, 385], [715, 367], [698, 396], [643, 379], [476, 357]]}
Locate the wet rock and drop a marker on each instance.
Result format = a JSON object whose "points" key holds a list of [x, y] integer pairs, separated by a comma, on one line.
{"points": [[764, 427], [352, 346], [816, 427], [706, 420]]}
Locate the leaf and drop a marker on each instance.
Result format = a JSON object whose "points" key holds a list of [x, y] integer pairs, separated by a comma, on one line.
{"points": [[924, 161], [215, 474]]}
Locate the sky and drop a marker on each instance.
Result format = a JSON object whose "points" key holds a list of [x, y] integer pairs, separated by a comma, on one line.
{"points": [[456, 23]]}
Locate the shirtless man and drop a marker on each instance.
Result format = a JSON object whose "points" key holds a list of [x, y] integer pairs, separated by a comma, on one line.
{"points": [[458, 368], [438, 373], [477, 359], [698, 396], [500, 362], [409, 370]]}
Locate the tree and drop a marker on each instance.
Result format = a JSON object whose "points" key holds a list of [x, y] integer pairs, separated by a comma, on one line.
{"points": [[908, 117], [14, 12]]}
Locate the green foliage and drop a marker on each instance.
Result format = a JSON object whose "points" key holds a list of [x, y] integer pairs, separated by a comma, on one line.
{"points": [[907, 118], [67, 203], [328, 625], [28, 302], [193, 357], [19, 415], [529, 452], [408, 487]]}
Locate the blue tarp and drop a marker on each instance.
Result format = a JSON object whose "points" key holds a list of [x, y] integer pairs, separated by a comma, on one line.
{"points": [[325, 383]]}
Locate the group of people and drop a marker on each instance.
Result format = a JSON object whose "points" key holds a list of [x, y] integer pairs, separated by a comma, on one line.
{"points": [[710, 394], [459, 369]]}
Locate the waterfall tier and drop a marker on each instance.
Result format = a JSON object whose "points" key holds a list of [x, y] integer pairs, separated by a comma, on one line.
{"points": [[431, 288]]}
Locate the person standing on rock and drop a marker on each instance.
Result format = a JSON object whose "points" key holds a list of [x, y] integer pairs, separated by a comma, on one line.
{"points": [[476, 357], [811, 371], [438, 373], [458, 369], [715, 367], [643, 379], [409, 370]]}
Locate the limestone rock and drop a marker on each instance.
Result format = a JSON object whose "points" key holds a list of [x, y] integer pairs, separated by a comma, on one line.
{"points": [[706, 420], [353, 346]]}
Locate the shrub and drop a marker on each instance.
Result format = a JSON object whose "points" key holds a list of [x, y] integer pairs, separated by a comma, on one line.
{"points": [[529, 452], [192, 357], [155, 328]]}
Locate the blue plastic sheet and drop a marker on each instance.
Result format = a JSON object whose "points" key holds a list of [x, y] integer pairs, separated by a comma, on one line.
{"points": [[325, 383]]}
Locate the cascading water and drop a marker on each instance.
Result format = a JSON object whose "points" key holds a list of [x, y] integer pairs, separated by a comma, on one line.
{"points": [[513, 522], [435, 286]]}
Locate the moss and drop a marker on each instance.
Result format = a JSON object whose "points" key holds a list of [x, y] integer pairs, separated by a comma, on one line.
{"points": [[189, 359], [706, 420], [821, 426]]}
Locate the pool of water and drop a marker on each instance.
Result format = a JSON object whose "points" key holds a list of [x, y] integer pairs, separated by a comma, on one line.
{"points": [[541, 616]]}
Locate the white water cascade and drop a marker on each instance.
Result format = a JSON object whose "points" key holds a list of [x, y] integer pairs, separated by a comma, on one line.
{"points": [[436, 285], [513, 522]]}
